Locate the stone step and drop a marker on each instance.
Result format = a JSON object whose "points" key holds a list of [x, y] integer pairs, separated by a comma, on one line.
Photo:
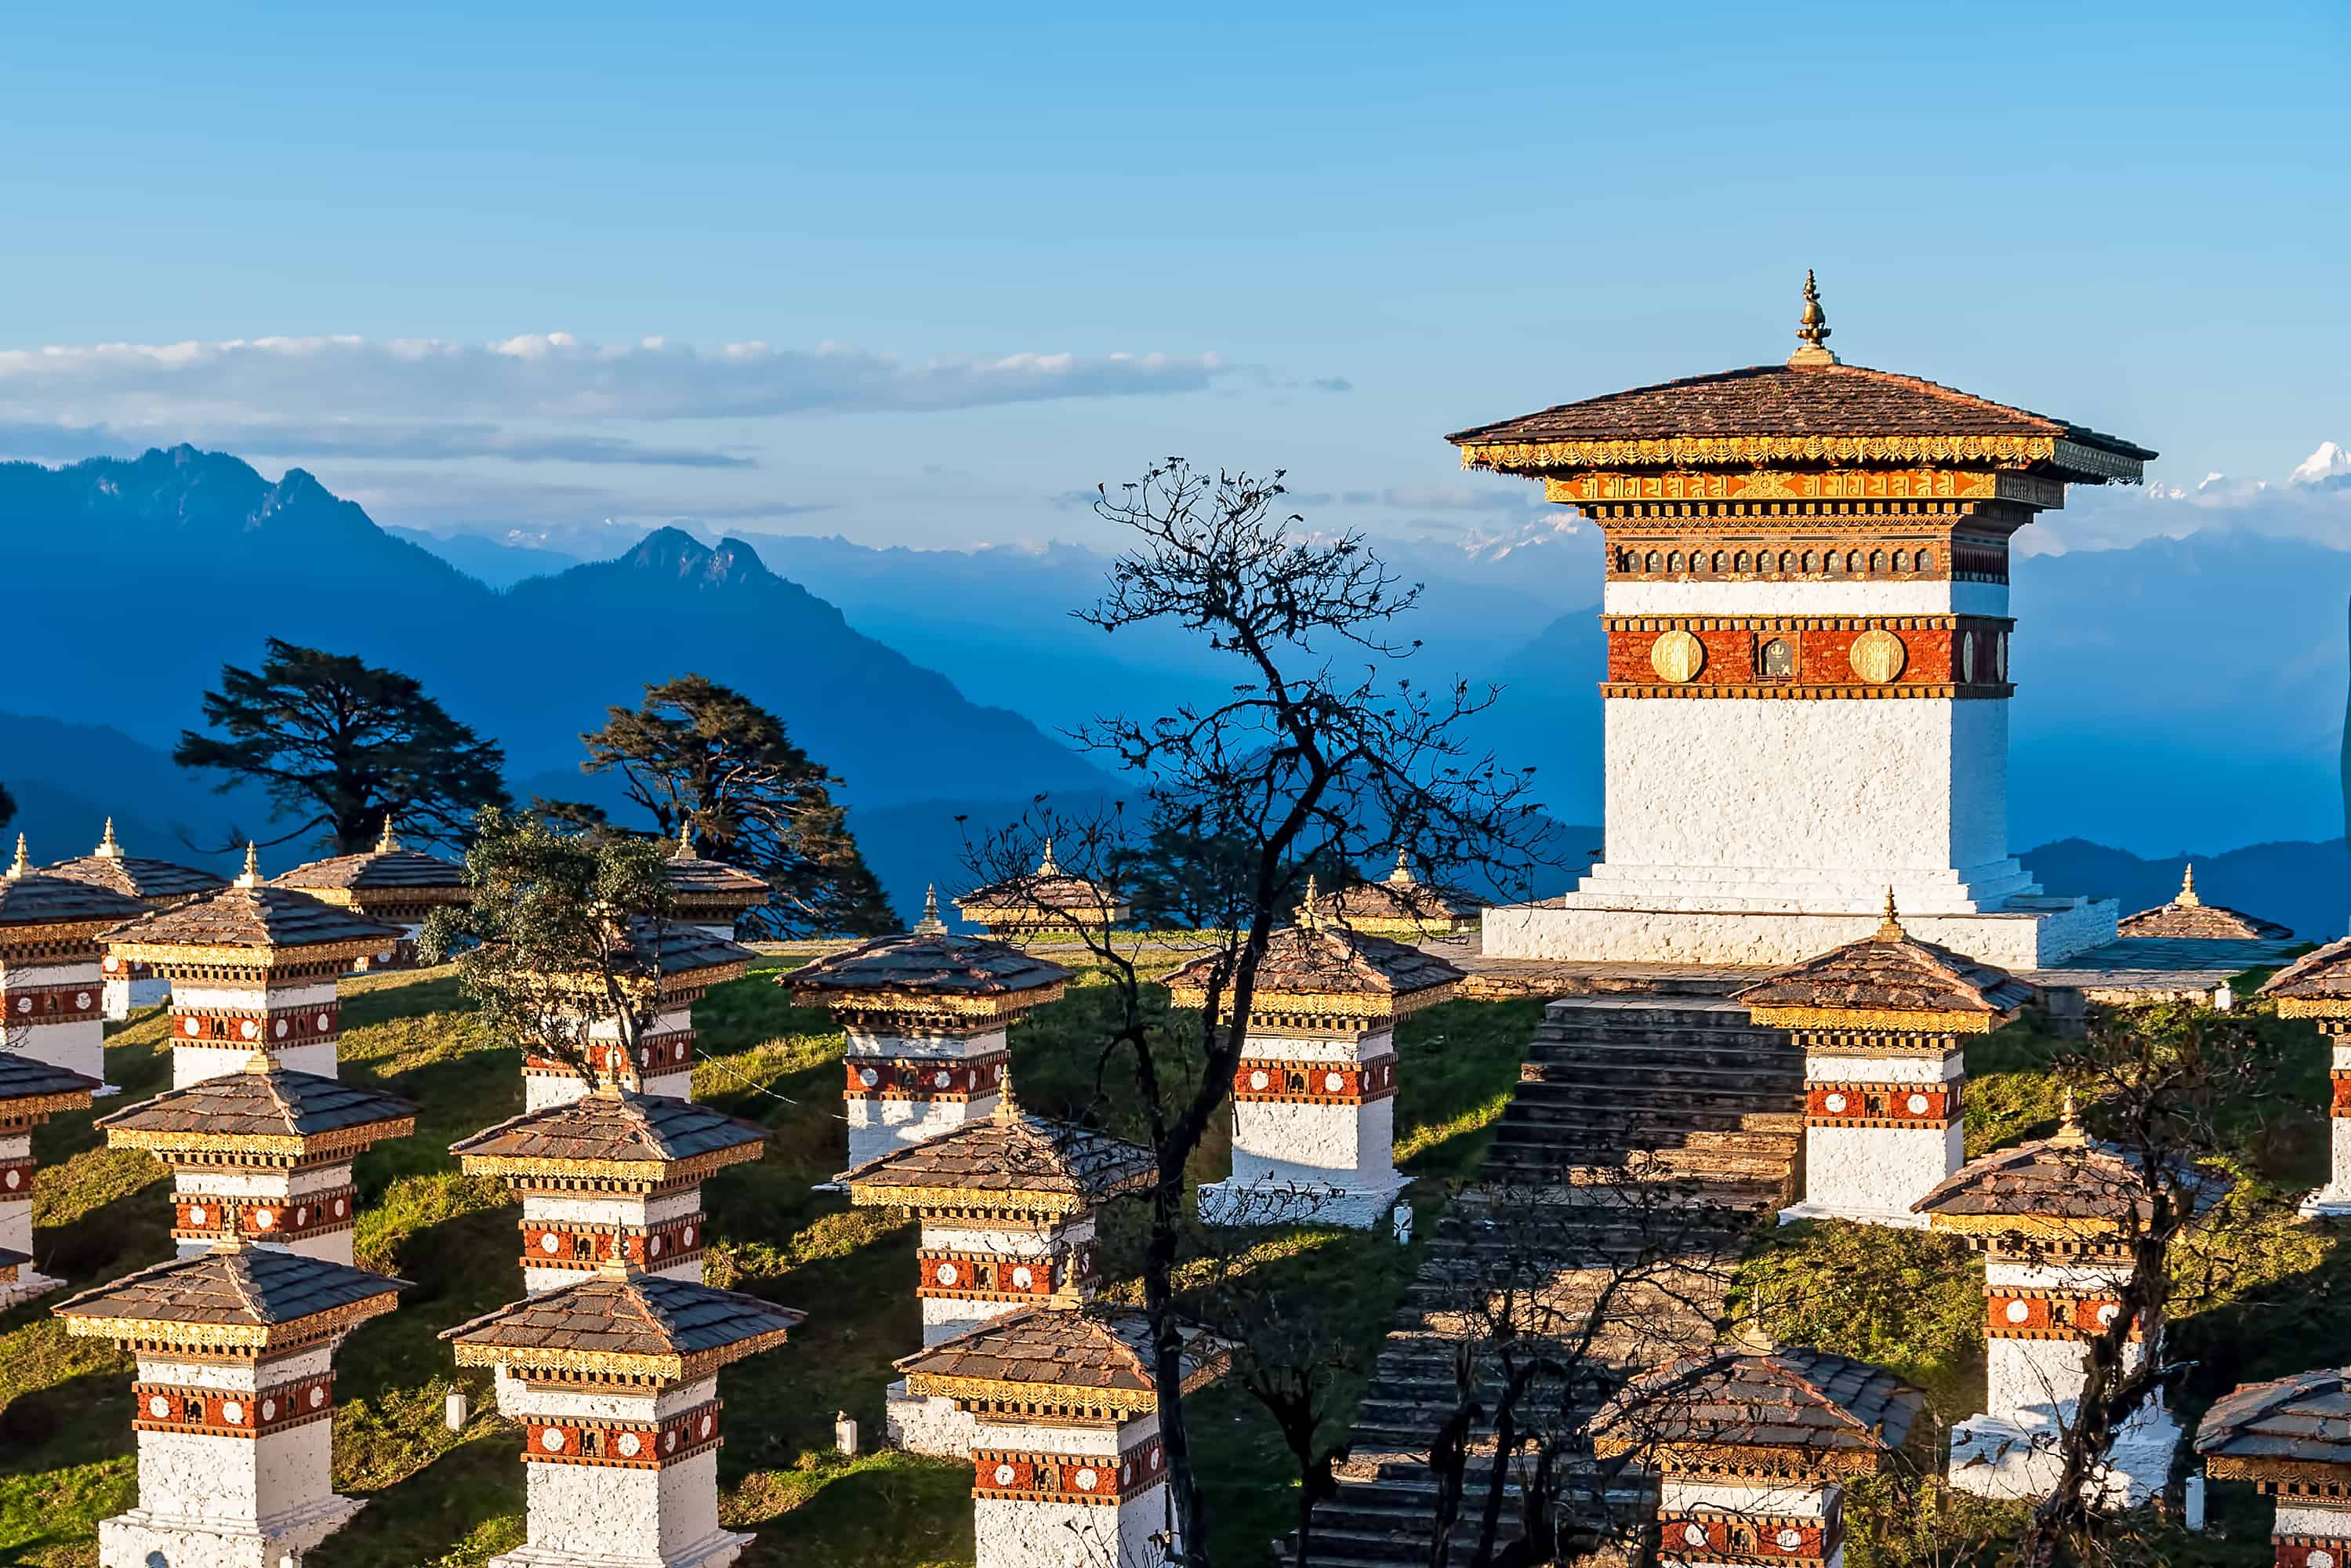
{"points": [[1664, 1078]]}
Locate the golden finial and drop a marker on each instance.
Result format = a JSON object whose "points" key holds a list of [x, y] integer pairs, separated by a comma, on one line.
{"points": [[1007, 1105], [23, 863], [2069, 1125], [930, 924], [385, 844], [1813, 328], [1047, 866], [615, 1265], [232, 1232], [108, 850], [258, 1061], [2188, 898], [685, 850], [1308, 915], [252, 873], [1889, 929], [1402, 875]]}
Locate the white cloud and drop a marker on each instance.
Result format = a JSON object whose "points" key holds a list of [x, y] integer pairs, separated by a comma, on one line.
{"points": [[548, 376], [2315, 503]]}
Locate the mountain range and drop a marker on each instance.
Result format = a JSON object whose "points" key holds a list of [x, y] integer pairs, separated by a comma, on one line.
{"points": [[2185, 691]]}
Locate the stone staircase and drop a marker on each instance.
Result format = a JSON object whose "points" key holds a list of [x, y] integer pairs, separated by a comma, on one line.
{"points": [[1647, 1137]]}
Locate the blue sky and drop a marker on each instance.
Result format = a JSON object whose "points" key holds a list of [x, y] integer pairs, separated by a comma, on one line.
{"points": [[993, 257]]}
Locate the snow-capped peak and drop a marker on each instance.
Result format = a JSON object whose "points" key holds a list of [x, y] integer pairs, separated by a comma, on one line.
{"points": [[2330, 463]]}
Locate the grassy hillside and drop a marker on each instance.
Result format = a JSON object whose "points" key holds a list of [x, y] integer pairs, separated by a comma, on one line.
{"points": [[442, 1500]]}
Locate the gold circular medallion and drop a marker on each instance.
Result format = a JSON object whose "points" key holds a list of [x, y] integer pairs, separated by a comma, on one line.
{"points": [[1677, 656], [1878, 656]]}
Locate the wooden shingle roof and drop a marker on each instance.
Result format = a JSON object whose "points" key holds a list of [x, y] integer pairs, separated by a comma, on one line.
{"points": [[1831, 411], [254, 1296], [634, 1324], [29, 1086], [262, 1108], [2277, 1431], [2068, 1184], [1021, 1160], [699, 881], [2188, 917], [396, 869], [253, 915], [1303, 964], [2316, 983], [1048, 895], [1784, 1412], [1889, 979], [1057, 1359], [927, 964], [28, 897], [149, 881], [1399, 905], [645, 1134]]}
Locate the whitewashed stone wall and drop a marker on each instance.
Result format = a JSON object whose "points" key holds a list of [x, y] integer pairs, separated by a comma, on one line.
{"points": [[79, 1046], [591, 1516], [944, 1317], [2335, 1197], [16, 1224], [1015, 1534], [1873, 1175], [1293, 1162], [878, 1127], [1854, 596]]}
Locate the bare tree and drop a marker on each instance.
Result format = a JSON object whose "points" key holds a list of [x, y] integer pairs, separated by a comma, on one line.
{"points": [[2176, 1096], [1300, 762]]}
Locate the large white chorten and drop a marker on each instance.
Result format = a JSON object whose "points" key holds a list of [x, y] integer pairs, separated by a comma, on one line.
{"points": [[1806, 700]]}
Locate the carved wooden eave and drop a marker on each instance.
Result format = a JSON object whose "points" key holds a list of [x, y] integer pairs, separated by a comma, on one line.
{"points": [[237, 1341], [266, 1149], [549, 1174], [885, 1008]]}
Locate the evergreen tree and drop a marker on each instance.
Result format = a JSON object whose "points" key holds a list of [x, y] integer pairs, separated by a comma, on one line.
{"points": [[700, 754], [343, 745]]}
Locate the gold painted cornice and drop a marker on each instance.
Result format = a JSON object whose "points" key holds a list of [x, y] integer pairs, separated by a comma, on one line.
{"points": [[342, 1140], [1826, 1019]]}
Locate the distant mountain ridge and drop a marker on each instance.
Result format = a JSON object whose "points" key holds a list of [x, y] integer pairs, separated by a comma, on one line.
{"points": [[165, 567]]}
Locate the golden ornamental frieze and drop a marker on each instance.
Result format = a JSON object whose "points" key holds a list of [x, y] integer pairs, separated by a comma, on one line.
{"points": [[1819, 1020], [1783, 691], [1021, 1202], [2314, 1007], [198, 1143], [1836, 485], [1532, 457]]}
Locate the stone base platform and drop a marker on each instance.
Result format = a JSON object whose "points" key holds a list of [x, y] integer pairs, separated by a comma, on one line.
{"points": [[141, 1538], [2117, 973], [25, 1286], [1261, 1203], [715, 1550], [2002, 1459], [2028, 931], [919, 1424]]}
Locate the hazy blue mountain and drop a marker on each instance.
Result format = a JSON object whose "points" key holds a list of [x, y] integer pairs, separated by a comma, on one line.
{"points": [[496, 561], [175, 562], [998, 618], [2296, 883]]}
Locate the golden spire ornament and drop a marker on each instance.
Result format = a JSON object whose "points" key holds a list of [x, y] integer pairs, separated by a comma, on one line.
{"points": [[2188, 898], [1306, 913], [385, 844], [23, 863], [108, 849], [1812, 330], [1402, 875], [1048, 867], [685, 850], [251, 876], [930, 924], [1889, 928], [2069, 1125]]}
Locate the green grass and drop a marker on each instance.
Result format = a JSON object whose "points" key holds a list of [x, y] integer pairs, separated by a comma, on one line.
{"points": [[443, 1499]]}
